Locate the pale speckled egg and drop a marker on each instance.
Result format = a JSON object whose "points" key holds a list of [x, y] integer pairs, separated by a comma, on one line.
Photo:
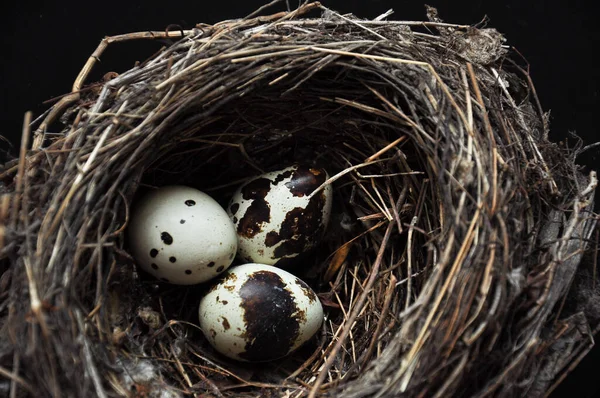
{"points": [[275, 217], [181, 235], [257, 312]]}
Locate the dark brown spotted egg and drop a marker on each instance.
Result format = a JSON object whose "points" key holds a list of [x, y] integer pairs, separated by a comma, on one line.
{"points": [[257, 313], [277, 216], [181, 235]]}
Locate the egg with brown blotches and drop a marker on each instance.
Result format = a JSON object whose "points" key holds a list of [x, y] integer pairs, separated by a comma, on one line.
{"points": [[257, 313], [278, 215], [181, 235]]}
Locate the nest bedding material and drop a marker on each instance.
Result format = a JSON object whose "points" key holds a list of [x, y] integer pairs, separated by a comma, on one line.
{"points": [[449, 265]]}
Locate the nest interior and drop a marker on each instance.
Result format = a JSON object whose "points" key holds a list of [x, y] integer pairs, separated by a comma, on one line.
{"points": [[449, 264]]}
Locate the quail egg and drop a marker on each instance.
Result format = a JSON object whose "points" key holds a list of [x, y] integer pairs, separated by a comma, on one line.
{"points": [[257, 312], [181, 235], [275, 216]]}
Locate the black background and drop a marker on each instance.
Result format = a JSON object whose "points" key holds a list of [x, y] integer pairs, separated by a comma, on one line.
{"points": [[44, 46]]}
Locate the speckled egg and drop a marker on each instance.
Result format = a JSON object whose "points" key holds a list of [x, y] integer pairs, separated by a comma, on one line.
{"points": [[275, 216], [258, 312], [181, 235]]}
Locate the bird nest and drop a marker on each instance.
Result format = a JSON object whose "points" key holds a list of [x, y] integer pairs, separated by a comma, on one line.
{"points": [[451, 265]]}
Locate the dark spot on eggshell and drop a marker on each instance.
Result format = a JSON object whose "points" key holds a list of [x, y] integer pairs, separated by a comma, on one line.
{"points": [[282, 176], [172, 259], [190, 202], [224, 302], [228, 277], [230, 288], [166, 238], [154, 266], [188, 271], [259, 211], [270, 317], [221, 268], [211, 264], [213, 333], [231, 256], [300, 316], [234, 208], [300, 229], [305, 180], [181, 221], [235, 220], [308, 292], [272, 239], [153, 253], [226, 325]]}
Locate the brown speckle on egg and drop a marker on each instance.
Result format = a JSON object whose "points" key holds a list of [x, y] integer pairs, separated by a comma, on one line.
{"points": [[224, 302], [300, 316], [153, 253], [259, 211], [154, 266], [213, 333], [211, 264], [272, 239], [221, 268], [226, 325], [181, 221], [300, 229], [190, 202], [270, 316], [188, 271], [282, 176], [228, 277], [308, 292], [172, 259], [166, 238], [305, 180]]}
